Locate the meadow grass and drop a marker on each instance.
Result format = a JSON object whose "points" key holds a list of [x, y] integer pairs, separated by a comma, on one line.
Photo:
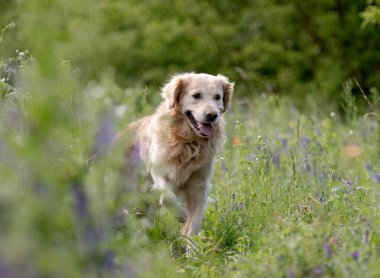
{"points": [[295, 194], [295, 190]]}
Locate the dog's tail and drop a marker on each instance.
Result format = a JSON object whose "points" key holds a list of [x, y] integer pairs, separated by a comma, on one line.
{"points": [[141, 122], [120, 136]]}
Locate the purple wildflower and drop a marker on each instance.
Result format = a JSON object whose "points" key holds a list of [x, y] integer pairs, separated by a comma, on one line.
{"points": [[109, 261], [355, 255], [276, 159], [316, 130], [366, 234], [328, 250], [375, 177], [307, 164], [321, 198], [4, 270], [104, 135], [314, 168], [350, 184], [291, 274], [88, 235], [224, 166], [369, 167], [319, 270], [80, 201], [305, 141], [241, 205], [284, 144]]}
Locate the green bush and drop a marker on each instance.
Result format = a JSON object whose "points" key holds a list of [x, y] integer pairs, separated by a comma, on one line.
{"points": [[294, 48]]}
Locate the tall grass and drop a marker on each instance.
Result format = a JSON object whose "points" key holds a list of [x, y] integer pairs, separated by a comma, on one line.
{"points": [[296, 193]]}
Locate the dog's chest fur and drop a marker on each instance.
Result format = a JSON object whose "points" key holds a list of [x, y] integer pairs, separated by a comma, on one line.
{"points": [[185, 160], [184, 155]]}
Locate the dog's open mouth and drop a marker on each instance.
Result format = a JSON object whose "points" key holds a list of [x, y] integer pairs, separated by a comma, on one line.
{"points": [[203, 129]]}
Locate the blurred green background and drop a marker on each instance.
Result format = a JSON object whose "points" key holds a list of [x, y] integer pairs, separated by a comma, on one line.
{"points": [[297, 182], [297, 48]]}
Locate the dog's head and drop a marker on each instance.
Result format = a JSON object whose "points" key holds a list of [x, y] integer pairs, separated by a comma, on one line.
{"points": [[200, 98]]}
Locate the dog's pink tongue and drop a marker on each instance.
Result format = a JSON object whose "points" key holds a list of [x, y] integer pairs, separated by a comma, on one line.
{"points": [[206, 129]]}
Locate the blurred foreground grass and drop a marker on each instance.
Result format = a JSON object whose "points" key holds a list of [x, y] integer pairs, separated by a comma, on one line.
{"points": [[296, 193]]}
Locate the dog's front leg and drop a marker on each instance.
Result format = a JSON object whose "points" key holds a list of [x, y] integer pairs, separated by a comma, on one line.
{"points": [[167, 197], [196, 201]]}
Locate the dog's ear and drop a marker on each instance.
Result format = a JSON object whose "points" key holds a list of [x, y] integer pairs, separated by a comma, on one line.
{"points": [[172, 91], [228, 89]]}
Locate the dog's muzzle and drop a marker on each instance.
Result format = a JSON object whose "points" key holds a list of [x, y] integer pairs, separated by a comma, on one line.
{"points": [[203, 129]]}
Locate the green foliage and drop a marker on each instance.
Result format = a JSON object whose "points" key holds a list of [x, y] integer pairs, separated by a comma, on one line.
{"points": [[371, 14], [295, 194], [297, 48]]}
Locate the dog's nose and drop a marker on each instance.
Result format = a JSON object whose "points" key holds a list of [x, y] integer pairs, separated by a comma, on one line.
{"points": [[211, 116]]}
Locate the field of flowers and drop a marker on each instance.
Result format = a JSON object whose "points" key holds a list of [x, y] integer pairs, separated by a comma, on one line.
{"points": [[296, 188]]}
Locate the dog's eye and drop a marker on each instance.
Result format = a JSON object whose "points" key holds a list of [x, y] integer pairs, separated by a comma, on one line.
{"points": [[217, 97], [197, 96]]}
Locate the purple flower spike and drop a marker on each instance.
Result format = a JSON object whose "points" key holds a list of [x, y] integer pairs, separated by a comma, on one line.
{"points": [[350, 184], [328, 250], [369, 167], [316, 130], [224, 166], [318, 270], [321, 199], [284, 144], [308, 166], [305, 141], [375, 177], [355, 255], [104, 136], [4, 271], [366, 234], [109, 261], [314, 168], [276, 159], [241, 205]]}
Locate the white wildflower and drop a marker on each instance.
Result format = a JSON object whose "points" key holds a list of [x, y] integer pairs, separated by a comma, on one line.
{"points": [[120, 110], [97, 92]]}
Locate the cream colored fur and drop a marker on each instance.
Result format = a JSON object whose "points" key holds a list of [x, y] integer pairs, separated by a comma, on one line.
{"points": [[180, 156]]}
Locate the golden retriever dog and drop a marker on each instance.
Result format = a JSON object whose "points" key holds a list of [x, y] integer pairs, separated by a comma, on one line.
{"points": [[179, 141]]}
